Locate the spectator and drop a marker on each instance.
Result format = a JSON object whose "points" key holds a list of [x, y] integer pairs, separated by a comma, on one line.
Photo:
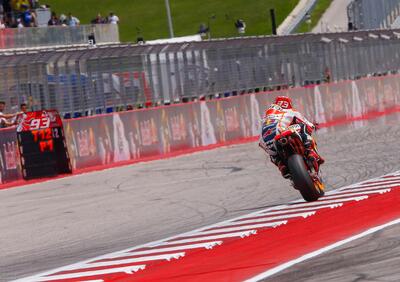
{"points": [[34, 4], [203, 30], [53, 20], [240, 26], [2, 24], [6, 20], [2, 115], [4, 118], [72, 21], [327, 75], [63, 20], [19, 23], [113, 18], [28, 17], [11, 22], [19, 5], [16, 118], [23, 108], [98, 20]]}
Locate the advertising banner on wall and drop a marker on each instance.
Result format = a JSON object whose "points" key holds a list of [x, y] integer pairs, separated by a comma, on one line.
{"points": [[130, 136], [10, 166]]}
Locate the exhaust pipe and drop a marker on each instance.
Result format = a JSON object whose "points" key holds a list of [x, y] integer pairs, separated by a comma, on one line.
{"points": [[283, 141]]}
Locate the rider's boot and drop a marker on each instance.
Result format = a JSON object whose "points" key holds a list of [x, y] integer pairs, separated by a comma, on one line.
{"points": [[281, 166], [320, 159], [312, 153], [284, 170]]}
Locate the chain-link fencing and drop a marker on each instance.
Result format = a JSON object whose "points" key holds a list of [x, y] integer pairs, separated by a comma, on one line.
{"points": [[372, 14], [92, 80], [17, 38]]}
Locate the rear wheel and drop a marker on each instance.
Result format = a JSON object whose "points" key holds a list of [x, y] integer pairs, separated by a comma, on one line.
{"points": [[302, 179]]}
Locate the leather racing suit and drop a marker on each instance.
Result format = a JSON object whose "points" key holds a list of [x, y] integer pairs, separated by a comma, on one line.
{"points": [[277, 120]]}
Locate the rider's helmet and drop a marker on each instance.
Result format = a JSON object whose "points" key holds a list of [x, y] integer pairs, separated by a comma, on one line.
{"points": [[284, 102]]}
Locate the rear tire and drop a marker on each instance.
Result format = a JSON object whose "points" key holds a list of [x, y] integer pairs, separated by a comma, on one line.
{"points": [[302, 179]]}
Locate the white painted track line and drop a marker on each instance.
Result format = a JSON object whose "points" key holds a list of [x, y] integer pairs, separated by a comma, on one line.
{"points": [[322, 201], [272, 218], [167, 257], [128, 270], [376, 185], [364, 189], [207, 245], [239, 228], [383, 181], [241, 234], [343, 194], [375, 182], [331, 206]]}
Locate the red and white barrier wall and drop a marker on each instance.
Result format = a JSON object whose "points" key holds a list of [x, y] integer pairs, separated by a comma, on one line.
{"points": [[108, 140]]}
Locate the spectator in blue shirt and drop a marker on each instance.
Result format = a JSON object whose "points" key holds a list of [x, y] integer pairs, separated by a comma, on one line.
{"points": [[72, 21], [28, 17]]}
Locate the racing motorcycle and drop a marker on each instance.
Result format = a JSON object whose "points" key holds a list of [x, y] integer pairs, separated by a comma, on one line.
{"points": [[305, 173]]}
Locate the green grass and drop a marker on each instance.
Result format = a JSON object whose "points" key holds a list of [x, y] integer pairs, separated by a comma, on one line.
{"points": [[319, 9], [148, 18]]}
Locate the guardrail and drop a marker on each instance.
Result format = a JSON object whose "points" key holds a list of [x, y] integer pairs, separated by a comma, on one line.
{"points": [[132, 136], [30, 37]]}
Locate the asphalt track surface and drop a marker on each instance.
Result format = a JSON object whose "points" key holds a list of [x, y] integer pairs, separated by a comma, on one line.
{"points": [[48, 225], [373, 258]]}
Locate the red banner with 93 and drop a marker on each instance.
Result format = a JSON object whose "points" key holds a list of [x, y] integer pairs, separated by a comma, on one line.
{"points": [[38, 120]]}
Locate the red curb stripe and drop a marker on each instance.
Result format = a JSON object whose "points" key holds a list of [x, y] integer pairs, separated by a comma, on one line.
{"points": [[241, 259]]}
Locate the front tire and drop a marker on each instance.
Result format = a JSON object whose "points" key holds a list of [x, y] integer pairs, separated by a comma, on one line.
{"points": [[302, 179]]}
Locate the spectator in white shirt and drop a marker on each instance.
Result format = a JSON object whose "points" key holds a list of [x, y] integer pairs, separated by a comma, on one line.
{"points": [[19, 23], [113, 18], [63, 20], [4, 118], [18, 116]]}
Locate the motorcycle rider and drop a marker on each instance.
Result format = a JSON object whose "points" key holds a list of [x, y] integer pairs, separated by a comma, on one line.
{"points": [[278, 117]]}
